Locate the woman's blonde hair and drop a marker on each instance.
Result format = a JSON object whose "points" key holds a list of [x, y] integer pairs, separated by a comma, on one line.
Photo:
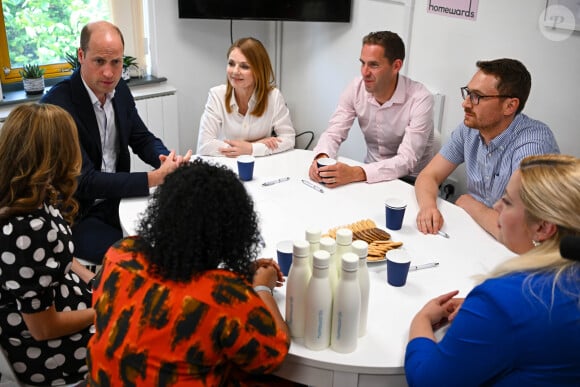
{"points": [[40, 160], [550, 191], [262, 71]]}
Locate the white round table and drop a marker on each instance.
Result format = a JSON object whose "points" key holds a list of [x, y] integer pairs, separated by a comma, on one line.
{"points": [[288, 208]]}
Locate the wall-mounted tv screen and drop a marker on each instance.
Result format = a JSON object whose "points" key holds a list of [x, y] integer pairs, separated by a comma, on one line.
{"points": [[291, 10]]}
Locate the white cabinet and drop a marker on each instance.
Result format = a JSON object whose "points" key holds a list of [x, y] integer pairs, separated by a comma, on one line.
{"points": [[157, 107]]}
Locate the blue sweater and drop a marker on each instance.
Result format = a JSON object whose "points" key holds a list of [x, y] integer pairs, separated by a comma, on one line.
{"points": [[508, 332]]}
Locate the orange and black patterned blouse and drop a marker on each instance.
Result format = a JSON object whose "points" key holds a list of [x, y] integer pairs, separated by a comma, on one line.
{"points": [[214, 331]]}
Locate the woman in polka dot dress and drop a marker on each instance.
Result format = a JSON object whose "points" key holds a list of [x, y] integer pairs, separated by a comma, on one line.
{"points": [[45, 315]]}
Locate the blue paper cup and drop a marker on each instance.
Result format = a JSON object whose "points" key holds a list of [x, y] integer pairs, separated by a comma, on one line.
{"points": [[246, 167], [284, 251], [324, 162], [394, 213], [398, 263]]}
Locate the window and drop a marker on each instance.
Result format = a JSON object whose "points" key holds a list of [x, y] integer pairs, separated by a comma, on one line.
{"points": [[43, 32]]}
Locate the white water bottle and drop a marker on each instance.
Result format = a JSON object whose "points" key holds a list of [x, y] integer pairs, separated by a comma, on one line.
{"points": [[346, 307], [318, 304], [313, 237], [343, 245], [296, 285], [329, 244], [360, 248]]}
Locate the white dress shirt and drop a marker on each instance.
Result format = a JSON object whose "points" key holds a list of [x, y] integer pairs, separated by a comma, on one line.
{"points": [[217, 124], [107, 129]]}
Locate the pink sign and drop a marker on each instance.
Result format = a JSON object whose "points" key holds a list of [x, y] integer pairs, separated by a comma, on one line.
{"points": [[463, 9]]}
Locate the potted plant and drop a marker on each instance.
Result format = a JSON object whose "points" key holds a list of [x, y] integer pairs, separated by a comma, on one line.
{"points": [[73, 60], [32, 79], [128, 63]]}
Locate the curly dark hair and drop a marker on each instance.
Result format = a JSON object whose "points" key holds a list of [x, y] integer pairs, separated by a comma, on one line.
{"points": [[201, 218]]}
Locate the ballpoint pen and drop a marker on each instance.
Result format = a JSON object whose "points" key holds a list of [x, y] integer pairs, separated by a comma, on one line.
{"points": [[272, 182], [443, 234], [313, 186], [424, 266]]}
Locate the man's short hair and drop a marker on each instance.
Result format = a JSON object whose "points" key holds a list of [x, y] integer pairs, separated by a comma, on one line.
{"points": [[513, 78], [391, 42], [88, 30]]}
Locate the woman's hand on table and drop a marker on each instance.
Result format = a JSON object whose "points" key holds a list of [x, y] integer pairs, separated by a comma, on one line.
{"points": [[268, 273], [236, 148], [270, 142], [457, 302], [441, 307], [434, 315]]}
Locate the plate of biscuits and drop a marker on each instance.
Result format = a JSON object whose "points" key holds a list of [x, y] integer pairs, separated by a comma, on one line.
{"points": [[378, 239]]}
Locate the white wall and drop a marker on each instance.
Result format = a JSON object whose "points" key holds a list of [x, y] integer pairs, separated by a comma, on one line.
{"points": [[319, 59], [445, 51], [191, 54]]}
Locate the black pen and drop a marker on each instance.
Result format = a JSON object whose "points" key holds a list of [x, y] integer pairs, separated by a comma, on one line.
{"points": [[272, 182]]}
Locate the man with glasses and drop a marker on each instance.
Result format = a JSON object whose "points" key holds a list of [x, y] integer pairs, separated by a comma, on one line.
{"points": [[492, 140]]}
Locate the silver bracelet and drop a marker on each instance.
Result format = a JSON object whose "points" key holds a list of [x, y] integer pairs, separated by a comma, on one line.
{"points": [[263, 288]]}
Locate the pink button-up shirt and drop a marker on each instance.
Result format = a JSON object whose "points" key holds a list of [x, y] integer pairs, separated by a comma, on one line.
{"points": [[398, 133]]}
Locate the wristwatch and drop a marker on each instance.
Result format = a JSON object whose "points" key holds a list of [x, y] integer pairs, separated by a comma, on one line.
{"points": [[263, 288]]}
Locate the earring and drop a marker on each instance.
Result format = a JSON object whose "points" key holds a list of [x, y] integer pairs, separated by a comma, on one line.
{"points": [[536, 243]]}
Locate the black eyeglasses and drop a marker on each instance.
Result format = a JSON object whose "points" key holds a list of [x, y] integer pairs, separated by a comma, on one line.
{"points": [[474, 97]]}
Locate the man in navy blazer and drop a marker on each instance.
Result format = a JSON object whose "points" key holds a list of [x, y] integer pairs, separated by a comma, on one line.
{"points": [[108, 123]]}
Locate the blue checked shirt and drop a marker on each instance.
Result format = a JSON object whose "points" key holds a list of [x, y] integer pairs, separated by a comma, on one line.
{"points": [[490, 166]]}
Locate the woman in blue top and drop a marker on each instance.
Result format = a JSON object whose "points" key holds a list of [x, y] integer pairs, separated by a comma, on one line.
{"points": [[521, 326]]}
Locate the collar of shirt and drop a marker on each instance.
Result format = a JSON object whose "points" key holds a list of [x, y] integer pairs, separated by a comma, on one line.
{"points": [[251, 103], [504, 137], [93, 96], [398, 96]]}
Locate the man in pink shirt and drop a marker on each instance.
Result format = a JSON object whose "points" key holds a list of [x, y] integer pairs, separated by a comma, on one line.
{"points": [[395, 115]]}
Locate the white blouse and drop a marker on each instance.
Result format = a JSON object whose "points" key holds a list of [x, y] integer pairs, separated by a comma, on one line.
{"points": [[217, 124]]}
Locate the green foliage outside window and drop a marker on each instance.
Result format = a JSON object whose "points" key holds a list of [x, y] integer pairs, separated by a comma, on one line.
{"points": [[41, 31]]}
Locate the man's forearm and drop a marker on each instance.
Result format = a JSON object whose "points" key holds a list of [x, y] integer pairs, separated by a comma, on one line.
{"points": [[358, 174], [426, 192], [154, 178]]}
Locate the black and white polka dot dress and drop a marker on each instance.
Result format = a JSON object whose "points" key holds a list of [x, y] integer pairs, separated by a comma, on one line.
{"points": [[36, 253]]}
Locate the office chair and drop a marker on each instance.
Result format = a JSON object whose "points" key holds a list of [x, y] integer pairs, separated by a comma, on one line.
{"points": [[307, 132]]}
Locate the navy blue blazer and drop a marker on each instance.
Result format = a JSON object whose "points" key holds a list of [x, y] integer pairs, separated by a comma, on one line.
{"points": [[72, 95]]}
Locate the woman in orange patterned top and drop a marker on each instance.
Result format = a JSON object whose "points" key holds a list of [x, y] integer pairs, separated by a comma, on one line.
{"points": [[186, 302]]}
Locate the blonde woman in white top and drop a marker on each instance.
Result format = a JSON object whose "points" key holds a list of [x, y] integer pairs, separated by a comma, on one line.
{"points": [[248, 115]]}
